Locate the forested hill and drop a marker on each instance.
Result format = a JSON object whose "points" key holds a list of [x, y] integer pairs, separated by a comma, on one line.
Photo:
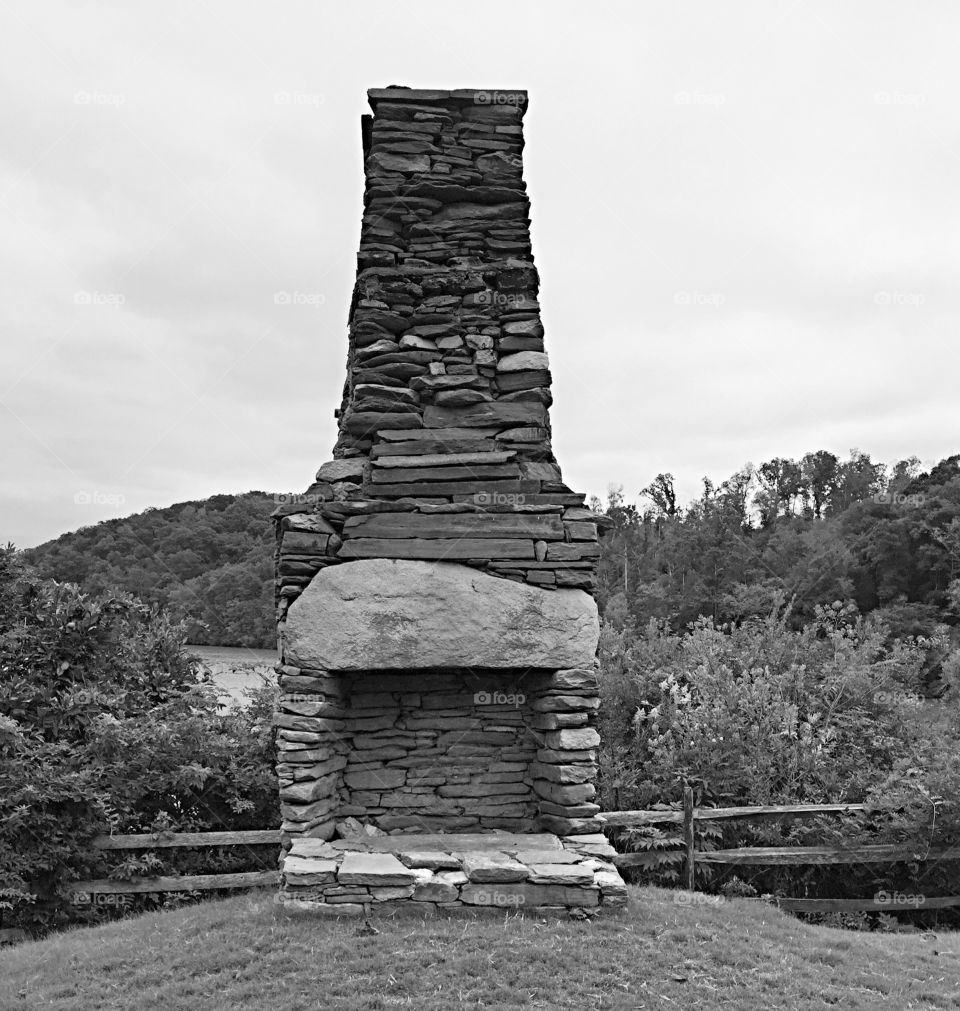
{"points": [[809, 532], [812, 531], [210, 560]]}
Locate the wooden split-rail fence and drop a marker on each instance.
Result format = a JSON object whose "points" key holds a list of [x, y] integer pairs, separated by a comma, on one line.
{"points": [[785, 856], [756, 856], [184, 882]]}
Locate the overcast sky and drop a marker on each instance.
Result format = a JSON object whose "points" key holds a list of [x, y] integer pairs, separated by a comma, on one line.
{"points": [[745, 217]]}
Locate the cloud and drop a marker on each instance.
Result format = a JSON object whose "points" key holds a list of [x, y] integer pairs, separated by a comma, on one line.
{"points": [[743, 218]]}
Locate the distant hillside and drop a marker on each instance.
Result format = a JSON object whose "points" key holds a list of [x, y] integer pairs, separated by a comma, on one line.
{"points": [[211, 561]]}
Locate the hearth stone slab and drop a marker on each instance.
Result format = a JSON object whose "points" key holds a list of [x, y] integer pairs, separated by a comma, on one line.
{"points": [[502, 870]]}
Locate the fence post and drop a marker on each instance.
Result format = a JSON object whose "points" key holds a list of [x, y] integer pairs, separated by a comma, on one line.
{"points": [[688, 838]]}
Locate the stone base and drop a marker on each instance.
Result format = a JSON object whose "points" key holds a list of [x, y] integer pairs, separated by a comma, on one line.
{"points": [[496, 869]]}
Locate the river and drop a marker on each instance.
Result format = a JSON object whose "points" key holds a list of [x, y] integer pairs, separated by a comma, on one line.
{"points": [[235, 668]]}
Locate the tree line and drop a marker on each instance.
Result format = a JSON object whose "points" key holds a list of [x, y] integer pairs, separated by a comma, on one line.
{"points": [[808, 532]]}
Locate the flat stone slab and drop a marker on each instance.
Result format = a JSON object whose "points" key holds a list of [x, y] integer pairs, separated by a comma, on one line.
{"points": [[308, 870], [436, 890], [390, 894], [560, 874], [597, 850], [545, 856], [613, 889], [494, 867], [307, 846], [380, 870], [594, 845], [382, 613], [433, 860]]}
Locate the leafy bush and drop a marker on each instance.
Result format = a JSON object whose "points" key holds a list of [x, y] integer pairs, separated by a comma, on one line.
{"points": [[760, 714], [757, 713], [106, 726]]}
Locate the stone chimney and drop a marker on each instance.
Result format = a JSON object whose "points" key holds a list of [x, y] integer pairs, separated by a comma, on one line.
{"points": [[436, 622]]}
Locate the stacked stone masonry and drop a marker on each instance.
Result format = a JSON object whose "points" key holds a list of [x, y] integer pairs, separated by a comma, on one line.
{"points": [[445, 448], [434, 584], [500, 870], [433, 751]]}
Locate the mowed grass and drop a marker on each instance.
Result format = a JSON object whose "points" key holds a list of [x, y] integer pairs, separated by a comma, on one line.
{"points": [[658, 953]]}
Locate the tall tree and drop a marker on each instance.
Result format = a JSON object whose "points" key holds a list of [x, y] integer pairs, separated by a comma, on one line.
{"points": [[858, 480], [781, 484], [661, 492], [819, 472]]}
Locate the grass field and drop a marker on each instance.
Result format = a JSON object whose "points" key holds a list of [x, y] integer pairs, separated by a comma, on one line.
{"points": [[661, 952]]}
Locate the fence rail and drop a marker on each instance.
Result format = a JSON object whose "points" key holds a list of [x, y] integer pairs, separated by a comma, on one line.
{"points": [[176, 883], [176, 840], [184, 882], [783, 856], [755, 856], [722, 813]]}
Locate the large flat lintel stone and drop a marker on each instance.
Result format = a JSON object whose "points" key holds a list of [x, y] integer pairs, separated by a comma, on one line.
{"points": [[375, 614]]}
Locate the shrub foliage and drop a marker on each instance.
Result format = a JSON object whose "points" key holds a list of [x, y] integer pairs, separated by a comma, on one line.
{"points": [[106, 726]]}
